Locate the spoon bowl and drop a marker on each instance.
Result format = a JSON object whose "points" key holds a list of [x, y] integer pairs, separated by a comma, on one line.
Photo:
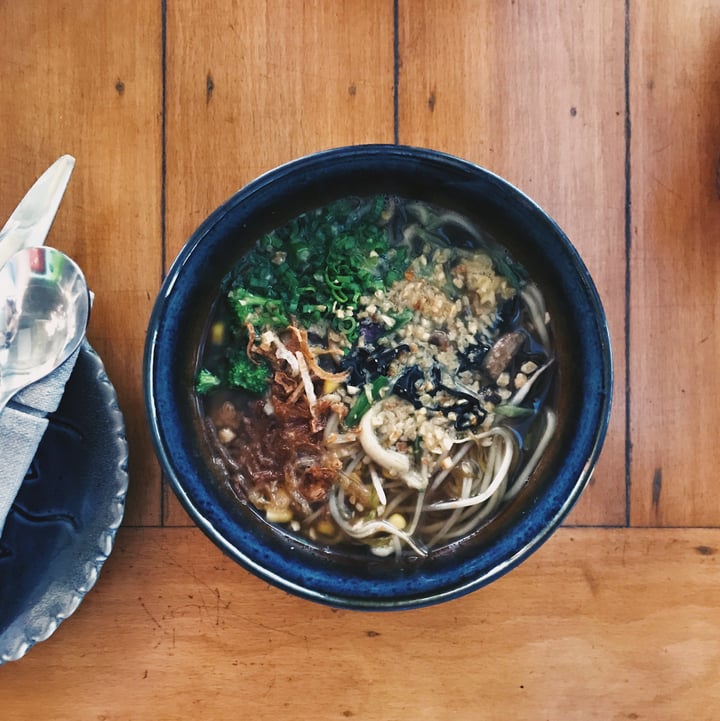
{"points": [[44, 312]]}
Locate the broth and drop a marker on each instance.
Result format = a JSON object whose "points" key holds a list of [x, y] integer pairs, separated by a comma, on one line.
{"points": [[378, 372]]}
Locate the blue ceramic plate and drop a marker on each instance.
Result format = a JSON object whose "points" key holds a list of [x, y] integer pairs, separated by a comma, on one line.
{"points": [[584, 375], [62, 526]]}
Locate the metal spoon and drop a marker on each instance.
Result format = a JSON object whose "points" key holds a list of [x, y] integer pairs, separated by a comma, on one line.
{"points": [[44, 311]]}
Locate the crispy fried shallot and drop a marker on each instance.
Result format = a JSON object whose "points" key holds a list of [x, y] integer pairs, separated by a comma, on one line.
{"points": [[283, 452]]}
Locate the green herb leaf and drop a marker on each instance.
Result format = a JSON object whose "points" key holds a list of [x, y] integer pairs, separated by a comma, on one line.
{"points": [[363, 404], [244, 373], [206, 381], [505, 409], [318, 263]]}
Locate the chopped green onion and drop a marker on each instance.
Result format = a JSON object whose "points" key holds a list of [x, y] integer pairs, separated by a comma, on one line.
{"points": [[363, 404]]}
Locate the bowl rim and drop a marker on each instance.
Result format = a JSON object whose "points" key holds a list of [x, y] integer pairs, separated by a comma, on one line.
{"points": [[552, 514]]}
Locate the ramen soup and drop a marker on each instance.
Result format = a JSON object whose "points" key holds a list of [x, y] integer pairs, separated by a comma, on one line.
{"points": [[378, 372]]}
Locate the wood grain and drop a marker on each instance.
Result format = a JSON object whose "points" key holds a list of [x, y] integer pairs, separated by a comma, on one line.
{"points": [[675, 342], [256, 84], [534, 92], [85, 79], [601, 623], [598, 624]]}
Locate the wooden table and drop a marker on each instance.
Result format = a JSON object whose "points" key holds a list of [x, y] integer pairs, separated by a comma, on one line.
{"points": [[607, 113]]}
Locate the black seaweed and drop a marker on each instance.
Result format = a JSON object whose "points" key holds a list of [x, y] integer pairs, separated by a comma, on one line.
{"points": [[472, 357], [465, 406], [406, 386], [366, 363]]}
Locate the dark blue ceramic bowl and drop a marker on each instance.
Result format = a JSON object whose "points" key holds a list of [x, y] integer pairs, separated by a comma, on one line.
{"points": [[584, 375]]}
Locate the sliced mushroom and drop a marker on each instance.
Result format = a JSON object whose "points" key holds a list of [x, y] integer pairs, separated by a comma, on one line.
{"points": [[440, 339], [503, 351]]}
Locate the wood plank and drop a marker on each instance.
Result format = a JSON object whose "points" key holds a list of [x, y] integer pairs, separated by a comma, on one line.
{"points": [[534, 92], [85, 79], [598, 624], [675, 344], [256, 84]]}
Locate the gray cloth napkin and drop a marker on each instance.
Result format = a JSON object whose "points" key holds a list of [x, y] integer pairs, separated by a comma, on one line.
{"points": [[22, 426]]}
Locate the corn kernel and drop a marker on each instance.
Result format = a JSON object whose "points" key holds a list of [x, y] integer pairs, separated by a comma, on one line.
{"points": [[325, 527], [330, 386], [278, 515], [217, 333]]}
